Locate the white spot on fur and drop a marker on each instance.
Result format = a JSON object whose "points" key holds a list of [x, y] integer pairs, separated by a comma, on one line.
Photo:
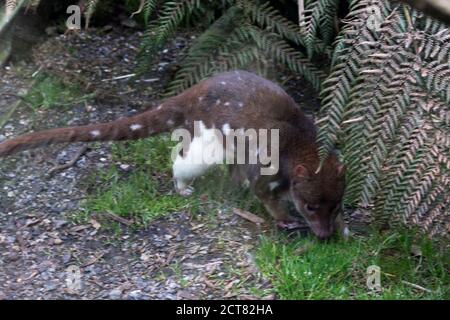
{"points": [[95, 133], [223, 82], [273, 185], [226, 129], [135, 127]]}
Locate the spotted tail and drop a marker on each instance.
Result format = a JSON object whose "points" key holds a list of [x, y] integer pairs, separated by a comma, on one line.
{"points": [[151, 122]]}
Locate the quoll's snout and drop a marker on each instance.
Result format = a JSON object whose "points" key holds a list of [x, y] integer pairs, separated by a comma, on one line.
{"points": [[323, 232]]}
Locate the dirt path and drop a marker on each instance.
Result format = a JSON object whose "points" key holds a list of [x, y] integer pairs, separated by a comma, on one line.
{"points": [[177, 256]]}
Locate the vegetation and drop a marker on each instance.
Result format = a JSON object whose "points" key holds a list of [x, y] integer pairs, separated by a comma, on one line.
{"points": [[382, 70], [305, 269], [412, 266]]}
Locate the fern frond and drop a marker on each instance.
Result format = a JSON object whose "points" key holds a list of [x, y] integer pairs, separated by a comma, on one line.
{"points": [[172, 14]]}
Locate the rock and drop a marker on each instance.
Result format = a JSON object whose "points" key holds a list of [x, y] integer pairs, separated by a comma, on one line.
{"points": [[66, 257], [115, 293], [135, 295], [125, 167], [59, 223]]}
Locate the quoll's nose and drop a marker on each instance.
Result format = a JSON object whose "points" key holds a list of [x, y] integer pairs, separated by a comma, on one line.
{"points": [[323, 234]]}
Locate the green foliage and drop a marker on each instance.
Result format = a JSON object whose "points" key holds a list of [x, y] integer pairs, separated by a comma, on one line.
{"points": [[246, 35], [307, 269], [387, 104], [49, 92], [147, 192]]}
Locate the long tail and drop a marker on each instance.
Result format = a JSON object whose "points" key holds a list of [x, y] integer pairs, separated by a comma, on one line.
{"points": [[151, 122]]}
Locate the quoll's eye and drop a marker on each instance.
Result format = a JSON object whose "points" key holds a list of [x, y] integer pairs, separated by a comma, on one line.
{"points": [[311, 207]]}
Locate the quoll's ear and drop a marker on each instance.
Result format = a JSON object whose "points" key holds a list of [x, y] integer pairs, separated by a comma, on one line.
{"points": [[340, 171], [301, 171]]}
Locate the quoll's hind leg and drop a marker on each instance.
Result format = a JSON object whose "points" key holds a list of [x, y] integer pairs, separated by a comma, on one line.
{"points": [[205, 151], [184, 172]]}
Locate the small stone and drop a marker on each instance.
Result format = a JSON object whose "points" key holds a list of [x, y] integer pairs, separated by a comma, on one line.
{"points": [[115, 293], [135, 294], [11, 194], [125, 167], [59, 223]]}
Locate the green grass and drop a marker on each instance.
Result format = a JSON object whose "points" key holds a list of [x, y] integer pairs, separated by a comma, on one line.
{"points": [[144, 194], [308, 269], [148, 193], [48, 92], [298, 268]]}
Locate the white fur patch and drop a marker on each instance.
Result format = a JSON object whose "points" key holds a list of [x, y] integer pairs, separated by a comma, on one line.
{"points": [[226, 129], [204, 151], [135, 127], [223, 82], [95, 133]]}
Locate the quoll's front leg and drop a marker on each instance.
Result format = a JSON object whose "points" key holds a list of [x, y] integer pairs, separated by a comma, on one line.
{"points": [[277, 208], [342, 227]]}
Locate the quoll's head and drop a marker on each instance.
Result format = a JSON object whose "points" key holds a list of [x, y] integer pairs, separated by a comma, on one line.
{"points": [[318, 196]]}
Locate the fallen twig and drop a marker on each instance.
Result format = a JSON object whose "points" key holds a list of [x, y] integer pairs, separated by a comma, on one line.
{"points": [[117, 218], [416, 286], [93, 260], [71, 162], [248, 216]]}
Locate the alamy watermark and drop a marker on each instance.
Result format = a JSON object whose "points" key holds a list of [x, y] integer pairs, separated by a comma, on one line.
{"points": [[374, 278], [228, 146]]}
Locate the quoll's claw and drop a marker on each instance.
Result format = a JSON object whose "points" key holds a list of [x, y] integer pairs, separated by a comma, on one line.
{"points": [[289, 225]]}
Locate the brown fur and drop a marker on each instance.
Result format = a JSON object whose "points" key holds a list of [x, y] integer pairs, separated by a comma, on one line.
{"points": [[242, 100]]}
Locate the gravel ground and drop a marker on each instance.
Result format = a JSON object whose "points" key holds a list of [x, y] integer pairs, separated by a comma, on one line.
{"points": [[176, 256]]}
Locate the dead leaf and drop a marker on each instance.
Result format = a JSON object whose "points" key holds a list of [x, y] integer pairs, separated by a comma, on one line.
{"points": [[95, 224], [79, 228]]}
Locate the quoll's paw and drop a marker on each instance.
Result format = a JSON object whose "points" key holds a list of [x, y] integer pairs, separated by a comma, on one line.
{"points": [[289, 224], [186, 192], [346, 233]]}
